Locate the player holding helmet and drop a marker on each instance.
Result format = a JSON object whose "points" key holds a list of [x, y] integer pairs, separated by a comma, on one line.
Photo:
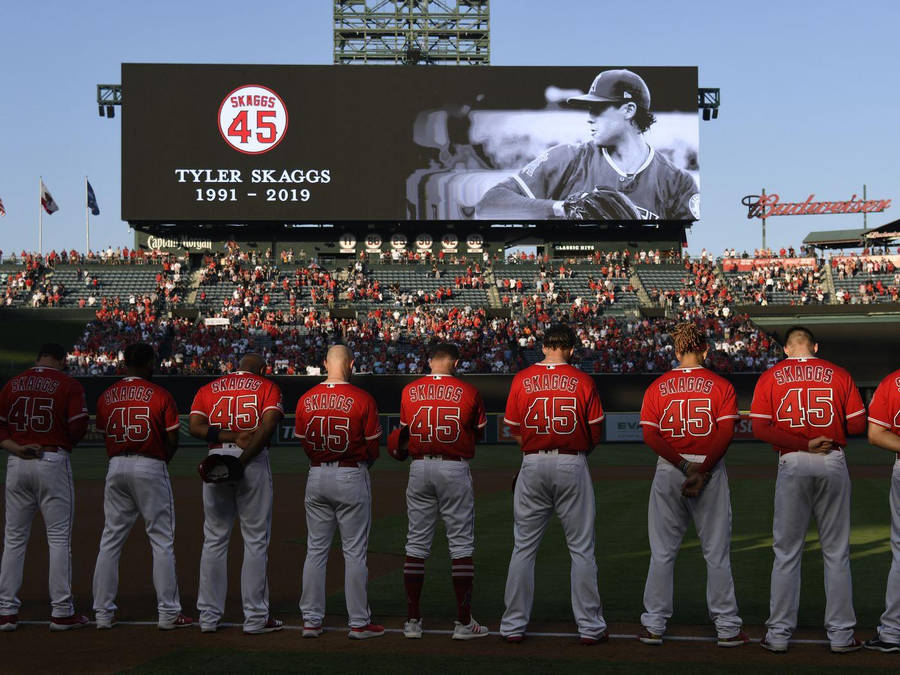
{"points": [[688, 419], [441, 416], [236, 415], [615, 175], [806, 407]]}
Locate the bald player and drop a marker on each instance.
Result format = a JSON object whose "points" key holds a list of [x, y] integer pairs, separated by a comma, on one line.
{"points": [[236, 415], [337, 424], [806, 407], [884, 432], [615, 158]]}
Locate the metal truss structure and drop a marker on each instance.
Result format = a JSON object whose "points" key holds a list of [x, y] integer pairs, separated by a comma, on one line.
{"points": [[412, 32]]}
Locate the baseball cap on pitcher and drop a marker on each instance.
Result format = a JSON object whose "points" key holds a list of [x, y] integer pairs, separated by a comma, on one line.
{"points": [[615, 86]]}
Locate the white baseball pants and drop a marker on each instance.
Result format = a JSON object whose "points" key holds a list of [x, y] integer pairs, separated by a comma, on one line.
{"points": [[440, 487], [337, 498], [668, 516], [250, 501], [889, 628], [548, 484], [811, 484], [39, 484], [137, 486]]}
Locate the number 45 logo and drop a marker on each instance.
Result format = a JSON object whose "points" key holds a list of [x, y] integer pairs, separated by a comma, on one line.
{"points": [[802, 407], [253, 119]]}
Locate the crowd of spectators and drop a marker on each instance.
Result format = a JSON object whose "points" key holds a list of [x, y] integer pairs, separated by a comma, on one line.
{"points": [[805, 284], [396, 340], [700, 288]]}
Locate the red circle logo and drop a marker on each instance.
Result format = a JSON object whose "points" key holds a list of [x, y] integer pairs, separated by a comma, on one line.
{"points": [[253, 119]]}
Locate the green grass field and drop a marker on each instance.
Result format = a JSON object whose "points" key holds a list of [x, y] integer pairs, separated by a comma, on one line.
{"points": [[622, 555], [622, 546]]}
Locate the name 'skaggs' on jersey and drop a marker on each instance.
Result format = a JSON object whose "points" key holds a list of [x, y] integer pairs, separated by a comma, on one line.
{"points": [[443, 414], [136, 414], [809, 397], [554, 407], [687, 406], [237, 402], [338, 422], [659, 189], [884, 409], [41, 406]]}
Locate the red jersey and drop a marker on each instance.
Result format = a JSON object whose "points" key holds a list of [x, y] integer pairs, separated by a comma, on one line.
{"points": [[686, 405], [884, 409], [338, 422], [237, 402], [136, 414], [40, 405], [807, 396], [554, 406], [444, 415]]}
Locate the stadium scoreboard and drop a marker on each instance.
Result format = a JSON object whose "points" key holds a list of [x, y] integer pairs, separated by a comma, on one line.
{"points": [[329, 144]]}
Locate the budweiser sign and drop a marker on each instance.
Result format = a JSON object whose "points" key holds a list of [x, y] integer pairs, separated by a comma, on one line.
{"points": [[766, 206]]}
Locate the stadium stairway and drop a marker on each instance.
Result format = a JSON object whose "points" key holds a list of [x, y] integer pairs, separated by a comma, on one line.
{"points": [[493, 293], [829, 285], [640, 291], [193, 288]]}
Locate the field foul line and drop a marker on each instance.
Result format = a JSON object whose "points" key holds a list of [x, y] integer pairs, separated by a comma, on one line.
{"points": [[613, 636]]}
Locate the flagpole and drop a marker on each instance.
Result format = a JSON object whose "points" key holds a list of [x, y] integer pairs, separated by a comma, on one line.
{"points": [[87, 220], [40, 216]]}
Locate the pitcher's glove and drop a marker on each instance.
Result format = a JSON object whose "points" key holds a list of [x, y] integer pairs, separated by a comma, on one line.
{"points": [[218, 468], [600, 204], [398, 443]]}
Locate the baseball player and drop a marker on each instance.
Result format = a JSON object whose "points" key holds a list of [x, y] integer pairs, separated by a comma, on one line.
{"points": [[140, 421], [688, 419], [884, 431], [554, 413], [806, 407], [558, 183], [338, 426], [42, 417], [442, 417], [236, 415]]}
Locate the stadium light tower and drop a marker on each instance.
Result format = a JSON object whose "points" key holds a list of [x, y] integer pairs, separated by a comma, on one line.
{"points": [[412, 31]]}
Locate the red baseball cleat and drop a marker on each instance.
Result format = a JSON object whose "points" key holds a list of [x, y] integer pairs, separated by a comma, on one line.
{"points": [[180, 621], [588, 641], [9, 622], [58, 623], [366, 632]]}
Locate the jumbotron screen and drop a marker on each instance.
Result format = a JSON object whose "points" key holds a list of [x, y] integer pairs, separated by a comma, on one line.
{"points": [[326, 144]]}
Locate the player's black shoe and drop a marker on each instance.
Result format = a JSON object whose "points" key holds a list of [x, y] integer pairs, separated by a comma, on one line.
{"points": [[878, 645]]}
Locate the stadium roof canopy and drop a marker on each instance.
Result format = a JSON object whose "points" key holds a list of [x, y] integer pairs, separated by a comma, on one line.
{"points": [[856, 238]]}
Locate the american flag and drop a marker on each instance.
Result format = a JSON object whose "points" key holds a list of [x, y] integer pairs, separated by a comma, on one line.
{"points": [[2, 208]]}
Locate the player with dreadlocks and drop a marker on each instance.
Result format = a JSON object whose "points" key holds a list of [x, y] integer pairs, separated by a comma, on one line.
{"points": [[688, 418]]}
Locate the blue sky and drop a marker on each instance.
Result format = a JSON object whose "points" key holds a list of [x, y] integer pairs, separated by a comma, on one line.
{"points": [[809, 92]]}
